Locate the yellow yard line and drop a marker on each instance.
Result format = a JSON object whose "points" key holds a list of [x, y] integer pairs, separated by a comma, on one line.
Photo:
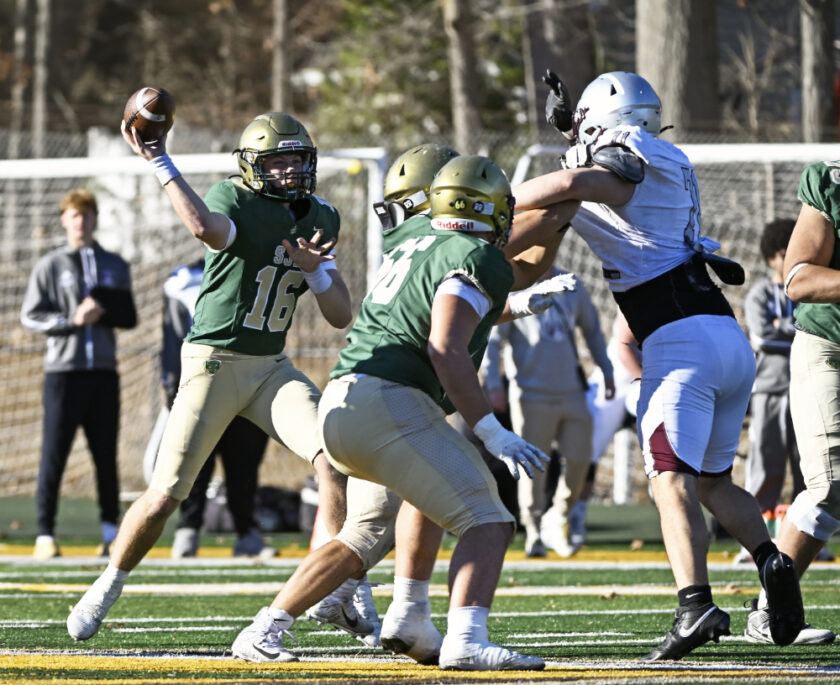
{"points": [[162, 670]]}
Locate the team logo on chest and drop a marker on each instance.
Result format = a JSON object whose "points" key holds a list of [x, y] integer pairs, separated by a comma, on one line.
{"points": [[280, 256]]}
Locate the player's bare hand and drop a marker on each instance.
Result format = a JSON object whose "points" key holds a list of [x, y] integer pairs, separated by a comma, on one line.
{"points": [[310, 254], [89, 311], [146, 150]]}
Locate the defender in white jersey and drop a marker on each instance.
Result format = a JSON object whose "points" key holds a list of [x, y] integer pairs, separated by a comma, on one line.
{"points": [[640, 214]]}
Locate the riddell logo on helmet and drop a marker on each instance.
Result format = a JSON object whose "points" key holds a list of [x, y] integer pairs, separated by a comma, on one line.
{"points": [[454, 224], [290, 143]]}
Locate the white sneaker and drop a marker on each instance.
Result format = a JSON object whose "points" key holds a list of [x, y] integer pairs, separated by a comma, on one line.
{"points": [[408, 629], [339, 613], [758, 630], [485, 656], [363, 601], [86, 617], [557, 538], [185, 543], [45, 548], [262, 641]]}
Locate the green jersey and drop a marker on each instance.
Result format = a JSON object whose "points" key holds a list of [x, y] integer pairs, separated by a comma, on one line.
{"points": [[249, 291], [391, 332], [819, 188]]}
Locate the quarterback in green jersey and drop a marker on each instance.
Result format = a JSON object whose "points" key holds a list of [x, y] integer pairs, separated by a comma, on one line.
{"points": [[269, 239], [812, 280]]}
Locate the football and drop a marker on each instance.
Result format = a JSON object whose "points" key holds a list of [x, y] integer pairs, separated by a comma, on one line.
{"points": [[151, 112]]}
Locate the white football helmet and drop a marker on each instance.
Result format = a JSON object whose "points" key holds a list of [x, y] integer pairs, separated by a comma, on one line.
{"points": [[613, 99]]}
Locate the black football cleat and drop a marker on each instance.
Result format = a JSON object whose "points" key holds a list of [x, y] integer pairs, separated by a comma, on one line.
{"points": [[692, 628], [784, 599]]}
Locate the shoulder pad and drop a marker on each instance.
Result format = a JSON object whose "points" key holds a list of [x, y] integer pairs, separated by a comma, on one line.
{"points": [[622, 162]]}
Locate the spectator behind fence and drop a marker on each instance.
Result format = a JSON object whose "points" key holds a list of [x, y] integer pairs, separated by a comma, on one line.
{"points": [[547, 401], [769, 315], [240, 448], [77, 295]]}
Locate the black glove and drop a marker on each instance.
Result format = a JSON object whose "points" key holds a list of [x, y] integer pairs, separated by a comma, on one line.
{"points": [[558, 104]]}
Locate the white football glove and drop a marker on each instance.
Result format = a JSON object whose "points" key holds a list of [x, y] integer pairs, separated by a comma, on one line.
{"points": [[577, 156], [538, 297], [509, 448]]}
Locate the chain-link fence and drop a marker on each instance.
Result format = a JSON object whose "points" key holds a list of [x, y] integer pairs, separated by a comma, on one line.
{"points": [[741, 188]]}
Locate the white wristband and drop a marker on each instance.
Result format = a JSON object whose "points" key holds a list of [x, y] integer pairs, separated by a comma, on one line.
{"points": [[487, 428], [164, 169], [792, 273], [318, 280]]}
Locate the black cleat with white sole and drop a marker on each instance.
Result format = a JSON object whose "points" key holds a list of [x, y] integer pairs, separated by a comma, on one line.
{"points": [[692, 628]]}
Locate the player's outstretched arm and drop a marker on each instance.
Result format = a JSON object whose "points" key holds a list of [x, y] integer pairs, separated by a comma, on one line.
{"points": [[535, 238], [585, 184], [211, 228], [326, 284]]}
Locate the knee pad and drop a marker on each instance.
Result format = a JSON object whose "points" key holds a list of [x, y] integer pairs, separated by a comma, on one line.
{"points": [[368, 541], [811, 518]]}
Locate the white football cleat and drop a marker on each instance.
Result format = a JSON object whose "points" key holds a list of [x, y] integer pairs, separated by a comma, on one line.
{"points": [[339, 613], [408, 629], [758, 630], [86, 617], [363, 601], [262, 641], [485, 656]]}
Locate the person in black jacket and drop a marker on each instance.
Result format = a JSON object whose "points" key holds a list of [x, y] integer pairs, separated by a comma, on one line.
{"points": [[77, 295]]}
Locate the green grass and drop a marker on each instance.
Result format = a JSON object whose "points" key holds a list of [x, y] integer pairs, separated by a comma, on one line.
{"points": [[608, 616]]}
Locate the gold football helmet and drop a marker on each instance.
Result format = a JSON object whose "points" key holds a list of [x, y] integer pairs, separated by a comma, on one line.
{"points": [[472, 194], [270, 134], [407, 183], [410, 176]]}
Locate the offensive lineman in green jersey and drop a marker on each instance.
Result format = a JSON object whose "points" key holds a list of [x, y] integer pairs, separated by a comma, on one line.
{"points": [[421, 331], [269, 239], [369, 530], [812, 280]]}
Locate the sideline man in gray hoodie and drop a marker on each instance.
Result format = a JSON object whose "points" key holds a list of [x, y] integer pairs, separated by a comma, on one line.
{"points": [[77, 295]]}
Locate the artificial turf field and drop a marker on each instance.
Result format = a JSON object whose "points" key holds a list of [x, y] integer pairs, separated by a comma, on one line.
{"points": [[590, 618]]}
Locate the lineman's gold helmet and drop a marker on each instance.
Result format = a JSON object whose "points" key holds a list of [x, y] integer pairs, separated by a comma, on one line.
{"points": [[472, 194]]}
